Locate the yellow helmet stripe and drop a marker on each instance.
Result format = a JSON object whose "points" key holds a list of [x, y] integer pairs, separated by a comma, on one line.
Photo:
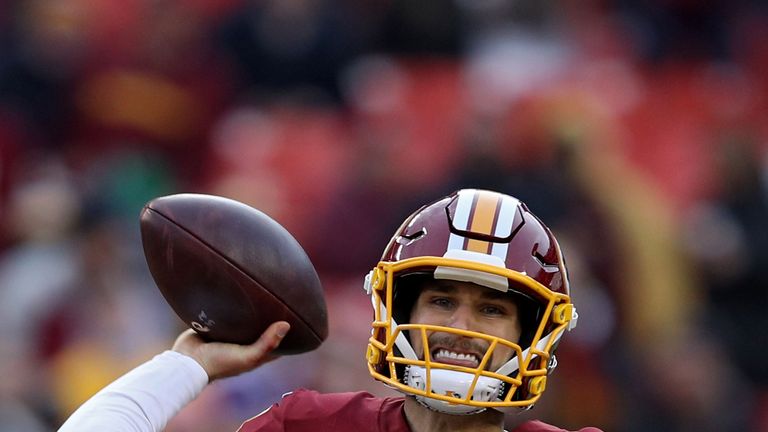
{"points": [[482, 220]]}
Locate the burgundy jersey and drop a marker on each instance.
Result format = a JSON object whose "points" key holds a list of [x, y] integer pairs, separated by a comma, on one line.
{"points": [[310, 411], [538, 426], [306, 410]]}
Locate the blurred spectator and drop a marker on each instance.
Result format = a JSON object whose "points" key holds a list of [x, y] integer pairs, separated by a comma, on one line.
{"points": [[680, 30], [302, 63], [44, 50], [729, 240], [36, 273], [680, 385], [426, 28]]}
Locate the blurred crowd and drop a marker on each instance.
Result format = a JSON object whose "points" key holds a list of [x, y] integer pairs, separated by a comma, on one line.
{"points": [[636, 129]]}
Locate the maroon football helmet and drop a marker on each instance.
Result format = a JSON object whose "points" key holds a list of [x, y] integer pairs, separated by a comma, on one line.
{"points": [[491, 240]]}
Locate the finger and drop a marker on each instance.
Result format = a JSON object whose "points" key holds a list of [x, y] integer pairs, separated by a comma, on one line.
{"points": [[259, 351]]}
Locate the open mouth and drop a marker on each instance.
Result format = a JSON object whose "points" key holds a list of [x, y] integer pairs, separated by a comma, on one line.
{"points": [[455, 358]]}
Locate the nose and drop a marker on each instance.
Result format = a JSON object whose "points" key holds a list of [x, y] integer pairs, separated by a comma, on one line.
{"points": [[462, 318]]}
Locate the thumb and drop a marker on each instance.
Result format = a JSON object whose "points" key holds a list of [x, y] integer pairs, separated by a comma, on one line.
{"points": [[260, 351]]}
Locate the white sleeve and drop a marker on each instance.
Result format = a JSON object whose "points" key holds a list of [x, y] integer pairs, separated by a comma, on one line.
{"points": [[144, 399]]}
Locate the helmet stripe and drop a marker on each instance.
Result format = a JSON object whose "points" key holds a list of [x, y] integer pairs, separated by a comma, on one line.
{"points": [[504, 225], [483, 217], [461, 219], [485, 212]]}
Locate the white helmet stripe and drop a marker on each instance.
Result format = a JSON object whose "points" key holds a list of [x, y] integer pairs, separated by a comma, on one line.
{"points": [[461, 218], [504, 225]]}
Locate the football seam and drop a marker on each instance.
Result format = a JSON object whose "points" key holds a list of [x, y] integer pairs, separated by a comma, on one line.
{"points": [[233, 264]]}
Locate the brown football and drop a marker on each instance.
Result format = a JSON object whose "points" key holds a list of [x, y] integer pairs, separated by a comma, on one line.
{"points": [[229, 271]]}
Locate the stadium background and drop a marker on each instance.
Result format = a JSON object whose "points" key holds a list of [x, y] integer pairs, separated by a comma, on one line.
{"points": [[636, 129]]}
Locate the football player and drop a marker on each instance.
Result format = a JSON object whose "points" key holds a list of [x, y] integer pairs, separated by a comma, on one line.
{"points": [[470, 301]]}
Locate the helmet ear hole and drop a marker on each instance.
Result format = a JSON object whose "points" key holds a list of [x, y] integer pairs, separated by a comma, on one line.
{"points": [[529, 314], [405, 292]]}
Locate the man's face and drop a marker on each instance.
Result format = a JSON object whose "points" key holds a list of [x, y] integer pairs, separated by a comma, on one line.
{"points": [[465, 306]]}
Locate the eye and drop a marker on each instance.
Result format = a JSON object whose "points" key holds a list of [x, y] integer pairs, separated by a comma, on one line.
{"points": [[493, 310], [442, 302]]}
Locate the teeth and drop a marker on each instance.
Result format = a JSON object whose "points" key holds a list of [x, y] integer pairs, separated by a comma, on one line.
{"points": [[457, 356]]}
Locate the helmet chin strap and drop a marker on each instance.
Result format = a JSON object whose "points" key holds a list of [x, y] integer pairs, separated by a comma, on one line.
{"points": [[455, 384]]}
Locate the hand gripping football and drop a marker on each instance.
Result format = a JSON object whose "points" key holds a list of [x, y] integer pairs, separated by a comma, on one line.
{"points": [[229, 271]]}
